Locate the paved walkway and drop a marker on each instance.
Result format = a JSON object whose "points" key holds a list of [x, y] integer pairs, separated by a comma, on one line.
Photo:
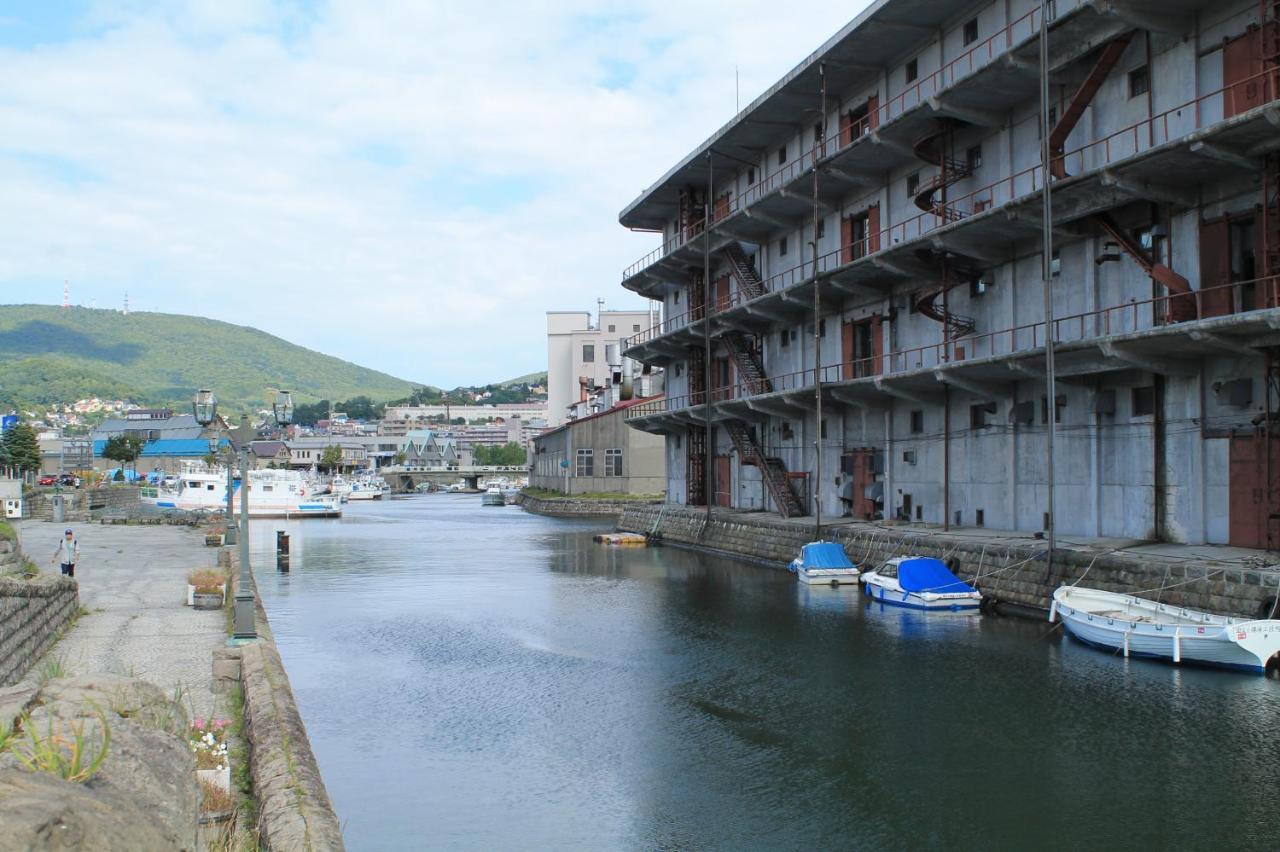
{"points": [[133, 584]]}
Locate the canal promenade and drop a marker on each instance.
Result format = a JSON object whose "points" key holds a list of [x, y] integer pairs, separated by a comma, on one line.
{"points": [[135, 622]]}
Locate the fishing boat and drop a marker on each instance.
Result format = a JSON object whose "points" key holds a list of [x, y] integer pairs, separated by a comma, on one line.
{"points": [[368, 487], [340, 487], [920, 582], [1139, 627], [823, 563], [272, 493], [493, 497]]}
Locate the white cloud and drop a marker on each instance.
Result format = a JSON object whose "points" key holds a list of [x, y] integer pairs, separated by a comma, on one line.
{"points": [[408, 185]]}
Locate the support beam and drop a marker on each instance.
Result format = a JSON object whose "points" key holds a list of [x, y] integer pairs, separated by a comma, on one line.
{"points": [[1158, 22], [1225, 155], [807, 199], [1149, 191], [1271, 143], [856, 180], [886, 388], [982, 389], [1219, 342], [1026, 370], [1033, 220], [950, 245], [889, 266], [892, 145], [979, 117], [752, 213], [1163, 366], [846, 397]]}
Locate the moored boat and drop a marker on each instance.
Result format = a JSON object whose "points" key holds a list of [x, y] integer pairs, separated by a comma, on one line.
{"points": [[921, 582], [823, 563], [368, 487], [492, 497], [272, 493], [1139, 627]]}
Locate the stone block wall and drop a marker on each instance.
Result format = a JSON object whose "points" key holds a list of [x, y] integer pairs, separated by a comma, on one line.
{"points": [[575, 507], [32, 614], [1005, 572]]}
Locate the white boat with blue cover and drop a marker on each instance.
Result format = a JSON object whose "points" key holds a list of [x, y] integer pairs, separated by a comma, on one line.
{"points": [[1137, 627], [823, 563], [921, 582]]}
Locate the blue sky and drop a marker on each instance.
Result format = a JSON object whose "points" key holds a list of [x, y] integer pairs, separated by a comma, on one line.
{"points": [[405, 184]]}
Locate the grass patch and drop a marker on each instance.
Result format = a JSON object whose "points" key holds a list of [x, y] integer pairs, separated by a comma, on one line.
{"points": [[69, 754], [7, 532], [53, 668]]}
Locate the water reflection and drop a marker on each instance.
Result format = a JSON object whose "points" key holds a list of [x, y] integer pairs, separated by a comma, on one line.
{"points": [[482, 679]]}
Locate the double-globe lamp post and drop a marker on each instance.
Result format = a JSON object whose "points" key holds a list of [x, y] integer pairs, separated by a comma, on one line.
{"points": [[205, 409]]}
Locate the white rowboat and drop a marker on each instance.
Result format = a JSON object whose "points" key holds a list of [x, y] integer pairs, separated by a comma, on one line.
{"points": [[1141, 628]]}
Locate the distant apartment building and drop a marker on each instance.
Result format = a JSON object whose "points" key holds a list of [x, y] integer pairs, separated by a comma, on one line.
{"points": [[167, 439], [921, 233], [577, 353], [397, 417], [308, 451], [599, 453], [428, 448]]}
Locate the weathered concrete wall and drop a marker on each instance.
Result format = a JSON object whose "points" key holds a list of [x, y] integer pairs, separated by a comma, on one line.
{"points": [[32, 614], [621, 459], [294, 810], [573, 507], [1011, 573]]}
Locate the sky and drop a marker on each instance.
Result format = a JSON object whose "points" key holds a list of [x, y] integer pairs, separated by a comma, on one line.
{"points": [[406, 184]]}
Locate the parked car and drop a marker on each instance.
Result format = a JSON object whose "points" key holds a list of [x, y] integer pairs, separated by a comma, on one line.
{"points": [[49, 479], [68, 480]]}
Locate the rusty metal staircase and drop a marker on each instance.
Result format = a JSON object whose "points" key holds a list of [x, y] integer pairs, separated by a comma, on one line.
{"points": [[931, 303], [749, 281], [772, 469], [696, 469], [935, 148], [745, 350], [1106, 61], [1183, 306]]}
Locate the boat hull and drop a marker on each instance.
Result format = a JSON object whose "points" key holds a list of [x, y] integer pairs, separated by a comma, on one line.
{"points": [[885, 590], [827, 576]]}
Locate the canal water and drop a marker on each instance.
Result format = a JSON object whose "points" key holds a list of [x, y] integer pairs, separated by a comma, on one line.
{"points": [[480, 678]]}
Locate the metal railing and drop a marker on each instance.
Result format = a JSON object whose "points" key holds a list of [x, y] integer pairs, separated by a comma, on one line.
{"points": [[918, 92], [1234, 298], [1170, 125]]}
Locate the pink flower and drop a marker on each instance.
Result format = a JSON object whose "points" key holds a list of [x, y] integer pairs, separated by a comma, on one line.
{"points": [[198, 724]]}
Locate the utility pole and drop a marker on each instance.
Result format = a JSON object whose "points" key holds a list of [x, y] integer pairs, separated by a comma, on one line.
{"points": [[709, 472], [819, 148], [1051, 407]]}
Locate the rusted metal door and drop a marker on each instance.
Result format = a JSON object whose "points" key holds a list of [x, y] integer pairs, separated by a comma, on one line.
{"points": [[724, 482], [1242, 72], [873, 228], [861, 348], [1215, 269], [1254, 513], [722, 292], [861, 469], [873, 112]]}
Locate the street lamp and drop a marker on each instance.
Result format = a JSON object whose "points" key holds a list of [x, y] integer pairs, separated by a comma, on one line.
{"points": [[283, 407], [205, 409]]}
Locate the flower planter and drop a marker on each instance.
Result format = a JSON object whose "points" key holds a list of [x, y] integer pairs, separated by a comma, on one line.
{"points": [[191, 593], [213, 539], [207, 600], [220, 778]]}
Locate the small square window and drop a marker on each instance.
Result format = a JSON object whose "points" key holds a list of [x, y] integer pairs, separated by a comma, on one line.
{"points": [[1139, 82], [913, 70], [974, 158], [635, 327], [980, 414], [913, 184], [588, 353], [978, 286], [782, 155], [917, 421], [1060, 402], [613, 328], [782, 247], [970, 31], [1144, 401]]}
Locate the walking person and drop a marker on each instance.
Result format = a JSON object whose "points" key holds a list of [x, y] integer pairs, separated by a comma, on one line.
{"points": [[67, 554]]}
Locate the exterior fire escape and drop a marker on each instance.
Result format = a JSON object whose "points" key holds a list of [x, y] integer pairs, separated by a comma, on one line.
{"points": [[937, 148]]}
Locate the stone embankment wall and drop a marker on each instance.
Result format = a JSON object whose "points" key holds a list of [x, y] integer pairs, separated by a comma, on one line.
{"points": [[32, 614], [294, 810], [1006, 572], [575, 507]]}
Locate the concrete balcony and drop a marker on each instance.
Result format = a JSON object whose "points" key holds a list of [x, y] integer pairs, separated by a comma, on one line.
{"points": [[1130, 336], [979, 87], [1163, 158]]}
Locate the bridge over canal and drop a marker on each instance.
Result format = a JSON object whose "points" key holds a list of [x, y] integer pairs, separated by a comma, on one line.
{"points": [[404, 479]]}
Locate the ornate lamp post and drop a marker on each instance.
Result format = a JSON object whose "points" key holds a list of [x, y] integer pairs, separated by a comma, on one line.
{"points": [[205, 409]]}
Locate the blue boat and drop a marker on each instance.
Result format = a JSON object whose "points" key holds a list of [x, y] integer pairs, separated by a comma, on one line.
{"points": [[823, 563], [921, 582]]}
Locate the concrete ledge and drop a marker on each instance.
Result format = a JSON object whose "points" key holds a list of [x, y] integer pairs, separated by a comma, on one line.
{"points": [[294, 807], [576, 507]]}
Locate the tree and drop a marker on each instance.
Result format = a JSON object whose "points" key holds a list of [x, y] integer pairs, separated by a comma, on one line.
{"points": [[400, 458], [508, 454], [331, 458], [21, 449], [124, 448]]}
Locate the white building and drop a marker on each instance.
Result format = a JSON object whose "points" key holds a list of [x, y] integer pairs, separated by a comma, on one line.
{"points": [[577, 353]]}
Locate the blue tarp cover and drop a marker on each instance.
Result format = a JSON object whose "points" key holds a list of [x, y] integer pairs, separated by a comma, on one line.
{"points": [[824, 554], [923, 574]]}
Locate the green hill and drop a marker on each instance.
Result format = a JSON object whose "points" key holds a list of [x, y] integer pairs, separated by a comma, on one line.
{"points": [[50, 354], [527, 379]]}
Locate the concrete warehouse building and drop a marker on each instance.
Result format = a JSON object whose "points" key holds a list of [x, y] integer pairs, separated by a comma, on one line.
{"points": [[577, 353], [922, 232]]}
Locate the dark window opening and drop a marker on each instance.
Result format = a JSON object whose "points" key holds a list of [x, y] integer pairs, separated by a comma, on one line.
{"points": [[974, 158], [613, 328], [817, 133], [1055, 263], [913, 184], [782, 247], [906, 507], [859, 233], [823, 430], [1046, 521], [588, 353], [785, 338], [979, 518], [1242, 242], [679, 370], [957, 520], [980, 415], [978, 286], [751, 176], [822, 328], [1144, 401], [676, 301], [1139, 81], [635, 327], [1059, 404], [820, 230], [917, 421], [970, 32], [782, 155], [919, 513], [913, 70]]}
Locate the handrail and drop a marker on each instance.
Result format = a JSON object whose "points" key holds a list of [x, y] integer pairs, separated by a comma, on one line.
{"points": [[938, 81], [1090, 156], [1218, 300]]}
